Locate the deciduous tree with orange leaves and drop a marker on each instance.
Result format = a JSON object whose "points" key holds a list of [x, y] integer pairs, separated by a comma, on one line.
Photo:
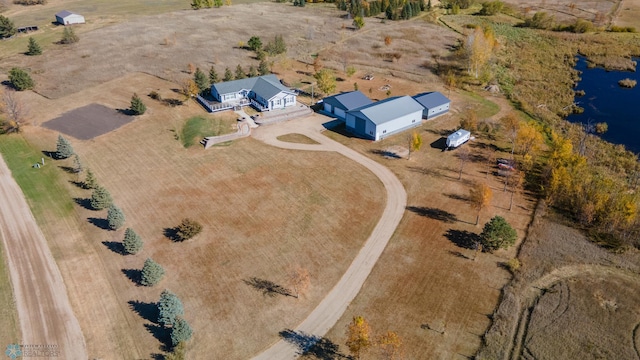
{"points": [[480, 197]]}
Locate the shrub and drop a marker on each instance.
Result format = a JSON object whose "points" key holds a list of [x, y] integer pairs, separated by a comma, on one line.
{"points": [[351, 70], [513, 265], [358, 22], [100, 198], [188, 229], [132, 242], [582, 26], [155, 95], [29, 2], [115, 217], [497, 233], [387, 40], [152, 273], [491, 7], [34, 48], [276, 47], [181, 331], [63, 148], [20, 79], [137, 106], [169, 308], [69, 36], [540, 20]]}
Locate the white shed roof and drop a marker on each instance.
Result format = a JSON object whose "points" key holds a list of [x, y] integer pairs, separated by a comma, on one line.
{"points": [[388, 109]]}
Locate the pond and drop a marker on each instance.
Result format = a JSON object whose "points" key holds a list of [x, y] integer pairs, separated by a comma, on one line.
{"points": [[606, 101]]}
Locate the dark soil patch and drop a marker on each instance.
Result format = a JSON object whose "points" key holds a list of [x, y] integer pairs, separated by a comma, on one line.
{"points": [[88, 122]]}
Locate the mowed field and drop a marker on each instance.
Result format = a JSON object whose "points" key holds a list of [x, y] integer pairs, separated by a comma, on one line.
{"points": [[264, 211]]}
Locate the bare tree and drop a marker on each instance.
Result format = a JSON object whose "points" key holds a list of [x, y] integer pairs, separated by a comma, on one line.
{"points": [[300, 280], [463, 155], [14, 109]]}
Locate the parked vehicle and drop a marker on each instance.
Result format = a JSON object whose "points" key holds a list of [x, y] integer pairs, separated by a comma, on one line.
{"points": [[458, 138], [506, 164]]}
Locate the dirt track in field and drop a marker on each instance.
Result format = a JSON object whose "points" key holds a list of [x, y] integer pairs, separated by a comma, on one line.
{"points": [[45, 314]]}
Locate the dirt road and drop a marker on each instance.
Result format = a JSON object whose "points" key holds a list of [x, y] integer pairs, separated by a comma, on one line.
{"points": [[46, 317], [333, 306]]}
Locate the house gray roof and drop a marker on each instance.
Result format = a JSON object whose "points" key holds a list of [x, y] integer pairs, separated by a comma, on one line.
{"points": [[267, 86], [432, 99], [64, 13], [349, 100], [388, 109]]}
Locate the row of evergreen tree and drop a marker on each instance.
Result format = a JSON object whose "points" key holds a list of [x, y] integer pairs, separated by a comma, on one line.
{"points": [[393, 9]]}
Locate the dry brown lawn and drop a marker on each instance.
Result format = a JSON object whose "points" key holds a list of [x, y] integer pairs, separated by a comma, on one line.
{"points": [[427, 276], [259, 220]]}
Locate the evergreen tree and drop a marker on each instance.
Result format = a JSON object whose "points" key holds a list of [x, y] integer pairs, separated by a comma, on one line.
{"points": [[252, 71], [429, 6], [7, 28], [90, 181], [69, 36], [180, 332], [137, 106], [132, 242], [169, 308], [100, 198], [213, 76], [115, 217], [34, 47], [497, 233], [77, 164], [255, 43], [201, 80], [20, 79], [63, 148], [240, 73], [152, 273], [188, 229], [263, 68], [228, 75]]}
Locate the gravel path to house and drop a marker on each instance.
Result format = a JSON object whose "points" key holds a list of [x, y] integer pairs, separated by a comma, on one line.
{"points": [[46, 317], [335, 303]]}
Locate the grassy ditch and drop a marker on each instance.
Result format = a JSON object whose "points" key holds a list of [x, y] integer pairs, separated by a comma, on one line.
{"points": [[9, 330], [198, 127]]}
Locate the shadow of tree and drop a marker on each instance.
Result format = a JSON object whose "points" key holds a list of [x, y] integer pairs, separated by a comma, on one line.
{"points": [[79, 184], [68, 169], [463, 238], [433, 213], [147, 311], [84, 202], [425, 171], [134, 275], [101, 223], [161, 334], [115, 246], [50, 154], [171, 234], [268, 288], [313, 345], [458, 197], [387, 154]]}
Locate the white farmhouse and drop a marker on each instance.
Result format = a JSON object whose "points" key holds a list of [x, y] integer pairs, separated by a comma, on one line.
{"points": [[386, 117], [66, 17], [264, 92]]}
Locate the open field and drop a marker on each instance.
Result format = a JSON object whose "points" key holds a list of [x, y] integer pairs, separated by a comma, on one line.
{"points": [[9, 327], [584, 297]]}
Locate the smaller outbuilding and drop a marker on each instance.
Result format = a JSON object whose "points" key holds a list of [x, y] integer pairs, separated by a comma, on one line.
{"points": [[66, 17], [434, 104], [338, 105]]}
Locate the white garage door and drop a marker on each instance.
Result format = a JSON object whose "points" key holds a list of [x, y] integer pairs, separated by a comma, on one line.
{"points": [[339, 112], [327, 107]]}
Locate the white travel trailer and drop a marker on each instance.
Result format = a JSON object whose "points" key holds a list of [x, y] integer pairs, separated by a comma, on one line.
{"points": [[458, 138]]}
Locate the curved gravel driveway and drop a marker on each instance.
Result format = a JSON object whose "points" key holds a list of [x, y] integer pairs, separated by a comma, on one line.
{"points": [[44, 311], [335, 303]]}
